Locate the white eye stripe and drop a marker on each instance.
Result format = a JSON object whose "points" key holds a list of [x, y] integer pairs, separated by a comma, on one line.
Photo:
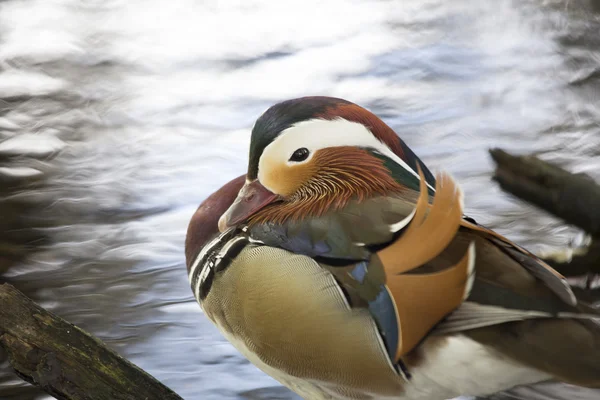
{"points": [[208, 247], [316, 134], [211, 256]]}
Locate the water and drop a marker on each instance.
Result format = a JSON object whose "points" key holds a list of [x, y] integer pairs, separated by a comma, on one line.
{"points": [[117, 118]]}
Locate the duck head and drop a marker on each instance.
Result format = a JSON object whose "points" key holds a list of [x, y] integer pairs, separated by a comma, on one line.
{"points": [[313, 154]]}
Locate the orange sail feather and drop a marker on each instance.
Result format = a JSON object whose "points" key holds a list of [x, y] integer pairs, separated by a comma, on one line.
{"points": [[423, 299]]}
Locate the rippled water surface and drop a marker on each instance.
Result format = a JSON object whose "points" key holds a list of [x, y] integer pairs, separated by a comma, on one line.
{"points": [[117, 118]]}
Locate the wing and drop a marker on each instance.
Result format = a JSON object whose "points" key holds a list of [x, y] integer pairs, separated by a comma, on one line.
{"points": [[505, 288], [538, 268], [405, 292], [450, 275]]}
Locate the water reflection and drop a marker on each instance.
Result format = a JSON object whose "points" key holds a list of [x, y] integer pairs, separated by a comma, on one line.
{"points": [[137, 110]]}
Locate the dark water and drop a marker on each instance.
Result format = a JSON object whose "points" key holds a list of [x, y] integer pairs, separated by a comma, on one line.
{"points": [[117, 118]]}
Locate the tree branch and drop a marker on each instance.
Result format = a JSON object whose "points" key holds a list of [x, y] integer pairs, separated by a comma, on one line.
{"points": [[571, 197], [65, 361]]}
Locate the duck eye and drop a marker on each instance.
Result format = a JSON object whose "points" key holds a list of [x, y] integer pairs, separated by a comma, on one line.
{"points": [[300, 155]]}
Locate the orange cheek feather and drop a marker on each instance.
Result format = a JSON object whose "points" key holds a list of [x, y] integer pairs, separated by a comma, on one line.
{"points": [[285, 180], [328, 181]]}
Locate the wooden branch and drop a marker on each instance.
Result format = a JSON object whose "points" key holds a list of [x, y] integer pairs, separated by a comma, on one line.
{"points": [[572, 197], [65, 361]]}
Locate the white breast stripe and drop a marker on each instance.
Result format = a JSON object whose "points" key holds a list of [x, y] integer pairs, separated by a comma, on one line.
{"points": [[210, 245], [208, 266], [228, 247], [204, 263]]}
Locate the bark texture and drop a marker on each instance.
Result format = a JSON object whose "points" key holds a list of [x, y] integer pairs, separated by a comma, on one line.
{"points": [[65, 361]]}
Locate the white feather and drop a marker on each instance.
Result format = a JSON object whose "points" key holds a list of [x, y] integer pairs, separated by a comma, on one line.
{"points": [[402, 223], [461, 366], [470, 271]]}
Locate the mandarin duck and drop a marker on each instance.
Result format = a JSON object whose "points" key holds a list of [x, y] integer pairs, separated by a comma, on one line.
{"points": [[339, 265]]}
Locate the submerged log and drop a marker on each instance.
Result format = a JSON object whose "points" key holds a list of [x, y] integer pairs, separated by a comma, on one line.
{"points": [[569, 196], [65, 361]]}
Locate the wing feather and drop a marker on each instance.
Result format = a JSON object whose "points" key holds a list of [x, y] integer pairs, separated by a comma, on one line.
{"points": [[538, 268], [428, 234], [423, 299], [471, 315]]}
